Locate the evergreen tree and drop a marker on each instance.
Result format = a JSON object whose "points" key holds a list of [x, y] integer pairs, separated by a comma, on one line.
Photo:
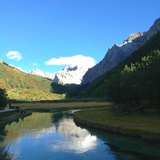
{"points": [[3, 98]]}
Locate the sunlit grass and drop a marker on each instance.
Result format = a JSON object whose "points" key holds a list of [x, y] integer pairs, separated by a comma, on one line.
{"points": [[61, 105], [32, 95]]}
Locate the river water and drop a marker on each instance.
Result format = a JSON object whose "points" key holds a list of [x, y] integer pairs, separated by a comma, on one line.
{"points": [[55, 136]]}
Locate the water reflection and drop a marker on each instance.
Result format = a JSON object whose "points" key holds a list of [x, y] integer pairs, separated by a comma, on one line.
{"points": [[76, 139], [52, 138], [29, 125], [128, 148], [55, 136], [40, 125]]}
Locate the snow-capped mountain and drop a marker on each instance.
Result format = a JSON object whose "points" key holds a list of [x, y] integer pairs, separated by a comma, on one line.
{"points": [[41, 73], [69, 75]]}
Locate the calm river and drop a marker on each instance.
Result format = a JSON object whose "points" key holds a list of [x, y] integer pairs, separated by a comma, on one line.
{"points": [[55, 136]]}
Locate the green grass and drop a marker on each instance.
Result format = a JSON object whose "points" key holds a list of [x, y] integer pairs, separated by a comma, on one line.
{"points": [[146, 126]]}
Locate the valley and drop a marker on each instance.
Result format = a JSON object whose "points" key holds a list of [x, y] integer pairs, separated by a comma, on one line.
{"points": [[123, 87]]}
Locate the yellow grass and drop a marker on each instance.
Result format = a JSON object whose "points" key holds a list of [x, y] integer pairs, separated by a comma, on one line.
{"points": [[61, 105]]}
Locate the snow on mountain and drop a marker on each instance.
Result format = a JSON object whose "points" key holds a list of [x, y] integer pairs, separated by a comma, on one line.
{"points": [[41, 73], [69, 75]]}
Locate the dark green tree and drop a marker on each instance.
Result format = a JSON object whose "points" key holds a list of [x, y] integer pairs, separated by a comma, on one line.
{"points": [[3, 98], [151, 82], [113, 89]]}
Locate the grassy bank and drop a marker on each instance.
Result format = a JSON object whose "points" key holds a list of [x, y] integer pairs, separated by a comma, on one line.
{"points": [[146, 126], [61, 105], [6, 116]]}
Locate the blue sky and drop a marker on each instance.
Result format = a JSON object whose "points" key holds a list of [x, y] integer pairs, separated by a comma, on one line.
{"points": [[49, 34]]}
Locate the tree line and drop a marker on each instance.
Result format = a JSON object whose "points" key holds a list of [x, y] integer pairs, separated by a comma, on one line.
{"points": [[137, 84]]}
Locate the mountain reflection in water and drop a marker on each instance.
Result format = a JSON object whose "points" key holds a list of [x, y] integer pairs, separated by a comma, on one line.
{"points": [[34, 124], [55, 136], [48, 133]]}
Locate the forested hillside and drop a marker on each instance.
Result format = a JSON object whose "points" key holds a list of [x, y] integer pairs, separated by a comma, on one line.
{"points": [[23, 86], [135, 80]]}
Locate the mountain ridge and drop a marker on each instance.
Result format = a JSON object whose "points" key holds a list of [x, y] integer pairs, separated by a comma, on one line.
{"points": [[118, 53], [141, 59]]}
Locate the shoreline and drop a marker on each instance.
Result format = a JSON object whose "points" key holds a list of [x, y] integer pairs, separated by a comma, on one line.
{"points": [[118, 129], [11, 117]]}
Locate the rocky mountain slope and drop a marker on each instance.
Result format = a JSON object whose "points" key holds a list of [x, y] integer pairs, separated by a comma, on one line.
{"points": [[69, 75], [118, 53], [41, 73]]}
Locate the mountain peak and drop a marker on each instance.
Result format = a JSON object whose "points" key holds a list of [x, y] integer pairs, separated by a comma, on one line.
{"points": [[68, 75], [71, 68], [133, 36], [118, 53]]}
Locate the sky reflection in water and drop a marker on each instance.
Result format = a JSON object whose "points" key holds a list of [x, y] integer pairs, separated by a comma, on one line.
{"points": [[74, 138], [38, 137]]}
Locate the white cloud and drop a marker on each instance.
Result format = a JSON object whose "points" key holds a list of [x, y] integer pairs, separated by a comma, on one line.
{"points": [[74, 60], [14, 55]]}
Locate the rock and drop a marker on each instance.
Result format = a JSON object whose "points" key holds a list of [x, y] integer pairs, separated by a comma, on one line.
{"points": [[69, 75], [118, 53]]}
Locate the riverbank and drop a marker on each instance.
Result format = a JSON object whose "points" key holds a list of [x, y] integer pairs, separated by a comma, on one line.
{"points": [[12, 115], [60, 105], [145, 126], [39, 106]]}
